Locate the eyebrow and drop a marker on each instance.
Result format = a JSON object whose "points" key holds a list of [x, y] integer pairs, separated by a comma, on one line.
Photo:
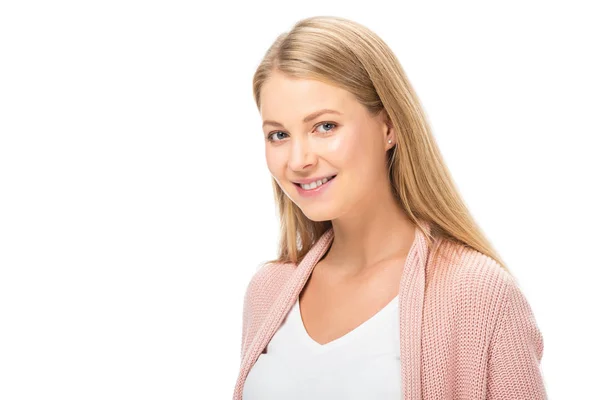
{"points": [[308, 118]]}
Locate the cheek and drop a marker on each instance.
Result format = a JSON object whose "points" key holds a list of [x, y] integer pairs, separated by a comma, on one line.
{"points": [[274, 159], [273, 165], [346, 149]]}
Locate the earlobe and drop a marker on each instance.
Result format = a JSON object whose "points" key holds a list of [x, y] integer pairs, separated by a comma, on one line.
{"points": [[389, 129], [390, 134]]}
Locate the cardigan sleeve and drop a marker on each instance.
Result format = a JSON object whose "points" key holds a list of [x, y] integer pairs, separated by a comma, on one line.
{"points": [[516, 348]]}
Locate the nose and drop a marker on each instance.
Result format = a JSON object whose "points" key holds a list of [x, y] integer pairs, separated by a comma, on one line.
{"points": [[301, 154]]}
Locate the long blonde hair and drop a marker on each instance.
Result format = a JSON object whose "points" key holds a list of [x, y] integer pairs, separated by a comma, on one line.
{"points": [[346, 54]]}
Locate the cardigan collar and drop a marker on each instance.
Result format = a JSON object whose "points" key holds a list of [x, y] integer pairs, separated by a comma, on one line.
{"points": [[411, 297]]}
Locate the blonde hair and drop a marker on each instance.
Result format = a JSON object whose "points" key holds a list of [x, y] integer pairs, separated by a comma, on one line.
{"points": [[346, 54]]}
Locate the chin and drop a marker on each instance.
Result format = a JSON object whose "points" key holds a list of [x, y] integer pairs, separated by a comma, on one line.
{"points": [[318, 219], [318, 215]]}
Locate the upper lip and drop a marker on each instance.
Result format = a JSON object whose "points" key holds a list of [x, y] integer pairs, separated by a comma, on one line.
{"points": [[310, 180]]}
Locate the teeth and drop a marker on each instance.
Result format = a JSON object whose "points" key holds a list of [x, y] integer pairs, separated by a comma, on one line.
{"points": [[314, 184]]}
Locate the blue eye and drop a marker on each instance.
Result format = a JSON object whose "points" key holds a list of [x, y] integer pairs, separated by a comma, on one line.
{"points": [[333, 125], [274, 133], [327, 123]]}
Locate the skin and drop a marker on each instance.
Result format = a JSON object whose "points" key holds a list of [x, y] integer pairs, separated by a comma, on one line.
{"points": [[372, 235]]}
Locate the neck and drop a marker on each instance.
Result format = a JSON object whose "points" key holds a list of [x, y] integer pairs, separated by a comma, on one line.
{"points": [[381, 230]]}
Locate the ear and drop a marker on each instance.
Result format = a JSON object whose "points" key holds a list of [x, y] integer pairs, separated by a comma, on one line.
{"points": [[389, 132]]}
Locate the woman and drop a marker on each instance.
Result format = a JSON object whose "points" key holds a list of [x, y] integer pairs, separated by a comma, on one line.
{"points": [[384, 287]]}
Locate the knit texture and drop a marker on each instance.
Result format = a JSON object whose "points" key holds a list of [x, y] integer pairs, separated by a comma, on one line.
{"points": [[466, 329]]}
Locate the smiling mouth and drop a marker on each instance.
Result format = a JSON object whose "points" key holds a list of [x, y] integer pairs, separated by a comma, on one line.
{"points": [[328, 180]]}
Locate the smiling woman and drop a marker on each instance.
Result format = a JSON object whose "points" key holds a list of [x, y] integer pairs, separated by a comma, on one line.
{"points": [[324, 131], [384, 286]]}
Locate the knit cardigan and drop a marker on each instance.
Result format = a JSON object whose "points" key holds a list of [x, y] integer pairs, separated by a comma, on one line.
{"points": [[466, 329]]}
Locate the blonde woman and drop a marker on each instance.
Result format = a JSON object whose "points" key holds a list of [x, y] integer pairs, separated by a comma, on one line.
{"points": [[384, 286]]}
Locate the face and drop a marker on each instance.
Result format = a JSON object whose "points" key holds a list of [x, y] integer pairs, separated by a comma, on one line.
{"points": [[346, 142]]}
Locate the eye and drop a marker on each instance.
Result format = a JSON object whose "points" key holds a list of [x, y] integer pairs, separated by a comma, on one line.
{"points": [[330, 124], [274, 133]]}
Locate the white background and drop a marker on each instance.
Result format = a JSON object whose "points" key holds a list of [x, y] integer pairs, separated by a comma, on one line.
{"points": [[135, 202]]}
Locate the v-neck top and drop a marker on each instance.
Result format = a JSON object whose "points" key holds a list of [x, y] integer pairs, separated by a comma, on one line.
{"points": [[466, 329], [362, 364]]}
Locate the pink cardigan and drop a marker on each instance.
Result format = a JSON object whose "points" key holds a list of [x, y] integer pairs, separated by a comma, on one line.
{"points": [[466, 329]]}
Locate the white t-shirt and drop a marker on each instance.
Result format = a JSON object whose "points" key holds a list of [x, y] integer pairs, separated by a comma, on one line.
{"points": [[362, 364]]}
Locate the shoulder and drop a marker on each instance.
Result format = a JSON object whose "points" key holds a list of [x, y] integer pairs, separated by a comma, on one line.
{"points": [[481, 305], [488, 321], [469, 272], [261, 292], [479, 289], [265, 284], [270, 274], [475, 285]]}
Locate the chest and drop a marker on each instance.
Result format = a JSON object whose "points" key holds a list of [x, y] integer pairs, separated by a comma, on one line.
{"points": [[331, 307]]}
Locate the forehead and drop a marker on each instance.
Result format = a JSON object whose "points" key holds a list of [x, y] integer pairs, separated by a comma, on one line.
{"points": [[287, 99]]}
